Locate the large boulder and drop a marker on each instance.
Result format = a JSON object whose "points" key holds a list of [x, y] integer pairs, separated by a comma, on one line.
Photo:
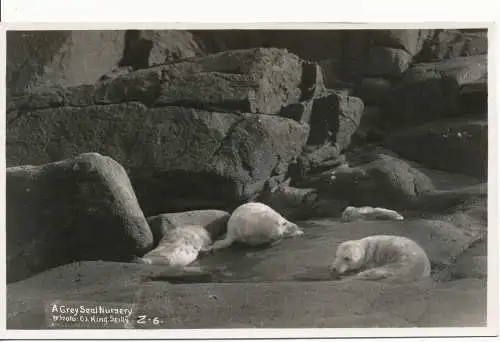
{"points": [[411, 41], [386, 62], [448, 44], [178, 158], [75, 209], [258, 80], [307, 44], [431, 91], [378, 180], [335, 117], [458, 146], [146, 48], [374, 90], [255, 81], [62, 57]]}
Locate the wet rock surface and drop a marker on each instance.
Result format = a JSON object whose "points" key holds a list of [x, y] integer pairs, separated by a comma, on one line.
{"points": [[308, 122], [284, 286]]}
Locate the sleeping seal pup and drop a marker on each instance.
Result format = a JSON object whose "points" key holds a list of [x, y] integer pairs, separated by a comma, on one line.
{"points": [[256, 224], [379, 257], [179, 247], [369, 213]]}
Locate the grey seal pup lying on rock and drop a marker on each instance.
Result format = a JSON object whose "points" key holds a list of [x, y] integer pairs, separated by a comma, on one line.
{"points": [[369, 213], [179, 247], [380, 257], [256, 224]]}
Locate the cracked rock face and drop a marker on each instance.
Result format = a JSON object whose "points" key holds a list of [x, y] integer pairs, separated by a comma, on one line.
{"points": [[177, 157]]}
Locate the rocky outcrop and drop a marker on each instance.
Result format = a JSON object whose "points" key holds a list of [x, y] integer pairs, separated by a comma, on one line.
{"points": [[178, 158], [379, 180], [147, 48], [307, 44], [292, 203], [447, 44], [374, 90], [280, 117], [76, 209], [253, 81], [261, 81], [411, 41], [178, 145], [458, 146], [433, 91], [335, 118], [60, 57], [386, 62]]}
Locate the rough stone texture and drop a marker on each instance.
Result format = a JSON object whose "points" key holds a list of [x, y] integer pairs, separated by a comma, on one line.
{"points": [[256, 81], [447, 44], [142, 86], [307, 44], [75, 209], [430, 91], [424, 95], [214, 221], [178, 158], [459, 146], [62, 57], [473, 263], [411, 41], [355, 51], [287, 285], [264, 305], [300, 112], [323, 158], [331, 71], [374, 90], [292, 203], [465, 70], [146, 48], [335, 118], [381, 180], [372, 126], [386, 62]]}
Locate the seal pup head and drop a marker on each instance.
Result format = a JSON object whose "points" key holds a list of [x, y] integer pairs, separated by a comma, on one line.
{"points": [[349, 256], [290, 229]]}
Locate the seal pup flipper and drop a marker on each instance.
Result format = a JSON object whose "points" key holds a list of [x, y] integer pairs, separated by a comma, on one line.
{"points": [[219, 244], [376, 273]]}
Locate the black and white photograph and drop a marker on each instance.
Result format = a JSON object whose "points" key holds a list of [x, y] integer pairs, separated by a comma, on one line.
{"points": [[260, 178]]}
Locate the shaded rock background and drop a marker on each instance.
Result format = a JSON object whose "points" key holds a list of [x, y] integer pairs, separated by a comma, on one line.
{"points": [[202, 121]]}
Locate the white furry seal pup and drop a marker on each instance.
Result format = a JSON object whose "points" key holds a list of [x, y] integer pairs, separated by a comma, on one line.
{"points": [[179, 247], [369, 213], [379, 257], [256, 224]]}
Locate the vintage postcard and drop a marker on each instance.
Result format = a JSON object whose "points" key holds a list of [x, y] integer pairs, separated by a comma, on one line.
{"points": [[261, 181]]}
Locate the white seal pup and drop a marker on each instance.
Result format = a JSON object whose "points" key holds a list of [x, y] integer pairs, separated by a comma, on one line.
{"points": [[179, 247], [379, 257], [256, 224], [369, 213]]}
